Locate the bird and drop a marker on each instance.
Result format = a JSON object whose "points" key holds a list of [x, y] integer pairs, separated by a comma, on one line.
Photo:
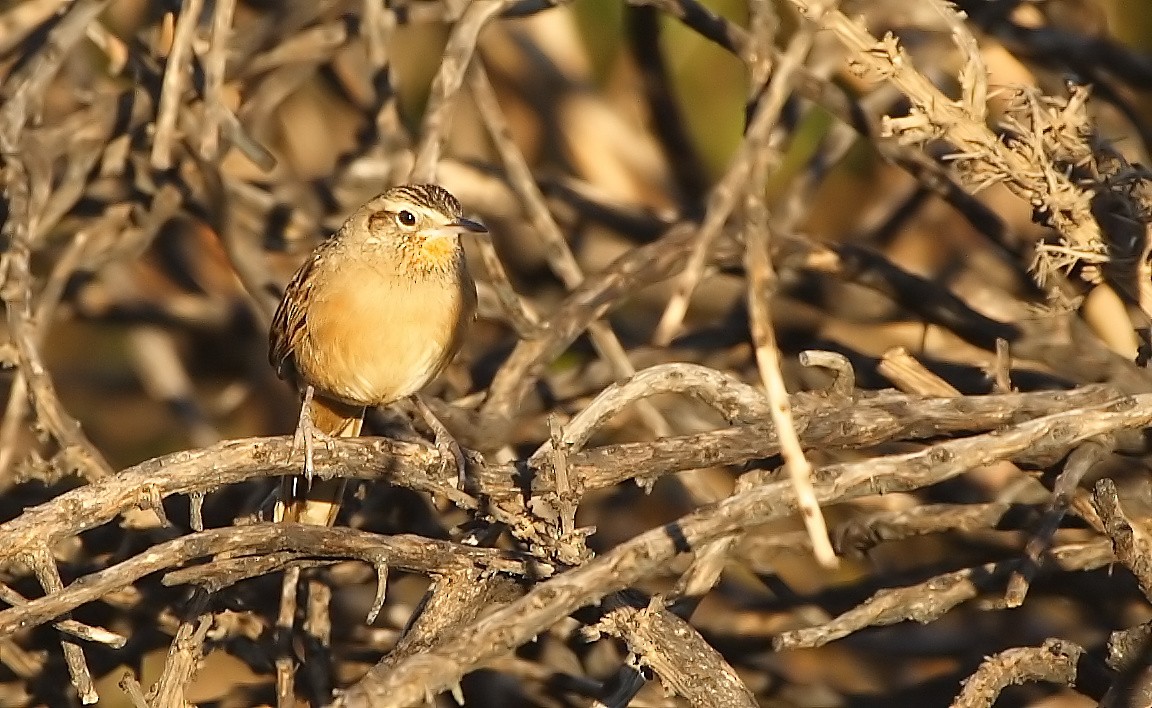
{"points": [[372, 316]]}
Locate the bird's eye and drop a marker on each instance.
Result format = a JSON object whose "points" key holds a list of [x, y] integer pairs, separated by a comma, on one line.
{"points": [[406, 218]]}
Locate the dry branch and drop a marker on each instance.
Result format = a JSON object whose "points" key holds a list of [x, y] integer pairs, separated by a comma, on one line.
{"points": [[677, 653], [682, 232], [930, 600], [417, 466], [409, 553], [509, 627], [1054, 662], [1131, 547], [1031, 168]]}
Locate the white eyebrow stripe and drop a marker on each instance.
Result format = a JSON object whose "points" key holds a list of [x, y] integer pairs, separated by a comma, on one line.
{"points": [[429, 214]]}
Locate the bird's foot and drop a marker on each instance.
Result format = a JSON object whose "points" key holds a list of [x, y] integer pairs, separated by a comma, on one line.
{"points": [[306, 435], [449, 450], [452, 456]]}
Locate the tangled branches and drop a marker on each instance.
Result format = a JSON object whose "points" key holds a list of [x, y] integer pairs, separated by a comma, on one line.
{"points": [[689, 469]]}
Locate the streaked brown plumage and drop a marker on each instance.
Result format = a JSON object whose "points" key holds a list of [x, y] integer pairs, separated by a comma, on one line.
{"points": [[374, 314]]}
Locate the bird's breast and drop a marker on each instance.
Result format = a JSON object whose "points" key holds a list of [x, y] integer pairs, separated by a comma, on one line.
{"points": [[373, 337]]}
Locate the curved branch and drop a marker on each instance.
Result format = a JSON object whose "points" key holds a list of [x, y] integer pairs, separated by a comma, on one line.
{"points": [[413, 679], [403, 551], [418, 467]]}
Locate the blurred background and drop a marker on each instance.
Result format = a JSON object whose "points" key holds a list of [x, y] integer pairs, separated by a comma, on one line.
{"points": [[153, 273]]}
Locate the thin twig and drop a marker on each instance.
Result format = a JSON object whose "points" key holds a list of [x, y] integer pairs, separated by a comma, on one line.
{"points": [[184, 655], [453, 67], [411, 680], [176, 73], [44, 566], [67, 626], [1132, 548], [402, 552], [1080, 462], [215, 63], [724, 196], [559, 254], [761, 288]]}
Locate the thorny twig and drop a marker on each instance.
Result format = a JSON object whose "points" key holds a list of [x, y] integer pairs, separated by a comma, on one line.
{"points": [[127, 208]]}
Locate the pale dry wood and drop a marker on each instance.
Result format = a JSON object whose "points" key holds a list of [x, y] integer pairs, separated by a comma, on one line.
{"points": [[1024, 166], [72, 627], [453, 604], [21, 90], [184, 655], [933, 598], [409, 681], [761, 288], [447, 83], [683, 661], [1054, 662], [273, 71], [418, 466], [402, 551], [556, 249], [908, 374], [44, 567], [1131, 545], [1080, 462], [176, 71], [215, 64]]}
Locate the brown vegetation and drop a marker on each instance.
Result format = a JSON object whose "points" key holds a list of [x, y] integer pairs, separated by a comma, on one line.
{"points": [[721, 235]]}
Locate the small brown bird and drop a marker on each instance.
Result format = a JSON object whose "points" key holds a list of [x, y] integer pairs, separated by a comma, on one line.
{"points": [[374, 314]]}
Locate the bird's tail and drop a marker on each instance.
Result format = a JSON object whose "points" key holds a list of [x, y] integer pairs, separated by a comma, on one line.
{"points": [[319, 502]]}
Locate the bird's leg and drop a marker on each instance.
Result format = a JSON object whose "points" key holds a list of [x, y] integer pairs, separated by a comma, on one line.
{"points": [[446, 445], [306, 435]]}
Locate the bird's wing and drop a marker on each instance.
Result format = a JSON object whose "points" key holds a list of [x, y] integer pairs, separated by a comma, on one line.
{"points": [[288, 322]]}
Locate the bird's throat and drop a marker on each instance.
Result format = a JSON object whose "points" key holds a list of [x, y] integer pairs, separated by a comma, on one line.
{"points": [[433, 255]]}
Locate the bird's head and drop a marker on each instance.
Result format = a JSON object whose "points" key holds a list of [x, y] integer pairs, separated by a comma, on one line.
{"points": [[423, 222]]}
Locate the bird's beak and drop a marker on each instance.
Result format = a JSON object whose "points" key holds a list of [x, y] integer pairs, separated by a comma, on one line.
{"points": [[456, 228], [467, 225]]}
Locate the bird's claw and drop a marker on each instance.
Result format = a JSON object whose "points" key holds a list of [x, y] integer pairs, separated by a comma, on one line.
{"points": [[306, 435], [452, 457], [304, 438], [449, 450]]}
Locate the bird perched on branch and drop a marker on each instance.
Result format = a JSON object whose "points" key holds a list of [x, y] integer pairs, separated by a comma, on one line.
{"points": [[370, 318]]}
